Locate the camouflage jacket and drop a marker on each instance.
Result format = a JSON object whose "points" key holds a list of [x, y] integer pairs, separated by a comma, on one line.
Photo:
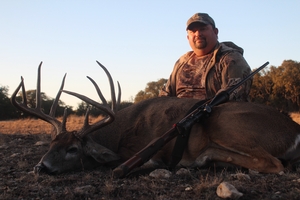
{"points": [[223, 67]]}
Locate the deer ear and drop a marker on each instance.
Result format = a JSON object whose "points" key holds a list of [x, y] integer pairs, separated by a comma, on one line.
{"points": [[100, 153]]}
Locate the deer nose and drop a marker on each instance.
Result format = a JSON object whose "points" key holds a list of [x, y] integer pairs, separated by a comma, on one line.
{"points": [[38, 168]]}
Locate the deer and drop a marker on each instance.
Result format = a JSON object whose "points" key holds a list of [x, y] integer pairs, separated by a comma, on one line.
{"points": [[242, 134]]}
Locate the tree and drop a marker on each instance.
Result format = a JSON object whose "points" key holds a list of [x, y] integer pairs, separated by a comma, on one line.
{"points": [[6, 108], [261, 88], [46, 103], [124, 104], [278, 86], [290, 81], [152, 90], [81, 108]]}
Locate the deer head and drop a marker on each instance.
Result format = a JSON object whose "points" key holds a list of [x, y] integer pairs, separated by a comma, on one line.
{"points": [[71, 149]]}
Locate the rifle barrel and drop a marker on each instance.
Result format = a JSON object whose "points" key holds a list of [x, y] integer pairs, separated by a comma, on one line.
{"points": [[247, 78]]}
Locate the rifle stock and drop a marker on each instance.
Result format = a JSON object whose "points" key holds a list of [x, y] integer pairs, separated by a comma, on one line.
{"points": [[155, 145]]}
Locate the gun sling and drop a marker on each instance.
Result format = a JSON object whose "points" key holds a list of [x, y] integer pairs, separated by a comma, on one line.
{"points": [[182, 138]]}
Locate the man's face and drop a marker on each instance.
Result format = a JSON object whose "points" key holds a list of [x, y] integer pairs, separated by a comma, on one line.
{"points": [[202, 36]]}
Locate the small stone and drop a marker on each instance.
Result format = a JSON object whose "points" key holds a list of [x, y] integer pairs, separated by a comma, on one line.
{"points": [[14, 155], [188, 188], [83, 189], [160, 173], [226, 190], [182, 171], [281, 173], [40, 143], [241, 176], [253, 172]]}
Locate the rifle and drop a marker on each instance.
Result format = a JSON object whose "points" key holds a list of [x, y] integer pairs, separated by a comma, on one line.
{"points": [[195, 116]]}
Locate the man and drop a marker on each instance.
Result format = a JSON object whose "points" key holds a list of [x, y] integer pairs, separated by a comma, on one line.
{"points": [[210, 67]]}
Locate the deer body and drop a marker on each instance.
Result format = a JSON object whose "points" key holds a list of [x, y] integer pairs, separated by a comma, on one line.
{"points": [[239, 133], [245, 134]]}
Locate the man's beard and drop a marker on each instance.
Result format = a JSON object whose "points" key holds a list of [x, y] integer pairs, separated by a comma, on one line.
{"points": [[202, 43]]}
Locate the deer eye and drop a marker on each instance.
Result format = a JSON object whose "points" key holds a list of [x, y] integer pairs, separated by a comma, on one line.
{"points": [[72, 150]]}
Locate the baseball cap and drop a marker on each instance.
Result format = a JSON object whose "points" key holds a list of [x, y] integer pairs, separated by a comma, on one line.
{"points": [[200, 18]]}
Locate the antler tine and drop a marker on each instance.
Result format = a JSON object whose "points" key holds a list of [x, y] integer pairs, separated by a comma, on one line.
{"points": [[64, 120], [55, 104], [56, 101], [13, 96], [104, 102], [38, 97], [119, 96], [23, 91], [112, 88], [37, 110], [86, 117]]}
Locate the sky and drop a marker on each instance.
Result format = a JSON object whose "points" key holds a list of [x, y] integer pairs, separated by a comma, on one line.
{"points": [[138, 41]]}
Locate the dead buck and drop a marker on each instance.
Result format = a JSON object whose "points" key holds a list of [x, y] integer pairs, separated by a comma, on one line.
{"points": [[239, 133]]}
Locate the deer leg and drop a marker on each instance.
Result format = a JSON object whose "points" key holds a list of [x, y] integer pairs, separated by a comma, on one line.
{"points": [[259, 160]]}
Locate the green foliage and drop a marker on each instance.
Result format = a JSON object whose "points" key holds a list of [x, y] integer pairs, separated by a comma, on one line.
{"points": [[278, 86], [45, 106], [152, 90], [124, 104], [81, 108], [7, 111]]}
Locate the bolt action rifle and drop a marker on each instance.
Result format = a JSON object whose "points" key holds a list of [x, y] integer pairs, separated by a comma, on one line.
{"points": [[188, 121]]}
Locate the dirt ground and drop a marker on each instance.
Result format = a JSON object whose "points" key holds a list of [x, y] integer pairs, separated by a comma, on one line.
{"points": [[19, 153]]}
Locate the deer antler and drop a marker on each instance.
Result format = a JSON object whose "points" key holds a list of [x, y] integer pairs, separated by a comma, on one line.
{"points": [[87, 128], [37, 111]]}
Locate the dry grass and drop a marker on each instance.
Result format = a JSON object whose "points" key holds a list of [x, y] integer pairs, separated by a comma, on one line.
{"points": [[295, 116], [25, 126], [37, 126]]}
